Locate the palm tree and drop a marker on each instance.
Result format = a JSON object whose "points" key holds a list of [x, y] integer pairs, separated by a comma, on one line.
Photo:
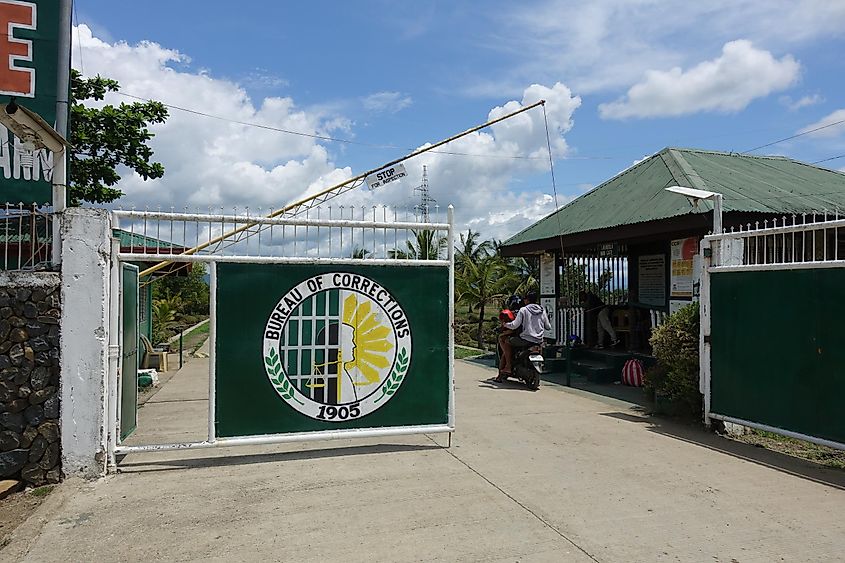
{"points": [[361, 253], [470, 250], [426, 245], [480, 284], [165, 310]]}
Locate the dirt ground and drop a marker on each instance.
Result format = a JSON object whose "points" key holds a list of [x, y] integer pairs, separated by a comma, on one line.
{"points": [[16, 508]]}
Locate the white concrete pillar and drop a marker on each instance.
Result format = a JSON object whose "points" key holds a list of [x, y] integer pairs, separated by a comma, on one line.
{"points": [[86, 255]]}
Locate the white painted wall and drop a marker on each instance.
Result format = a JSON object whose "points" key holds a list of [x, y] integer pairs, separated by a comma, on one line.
{"points": [[86, 256]]}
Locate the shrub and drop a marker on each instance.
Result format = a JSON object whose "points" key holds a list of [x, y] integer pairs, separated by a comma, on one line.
{"points": [[675, 345]]}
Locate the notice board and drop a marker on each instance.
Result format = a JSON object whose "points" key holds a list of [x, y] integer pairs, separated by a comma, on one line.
{"points": [[652, 279]]}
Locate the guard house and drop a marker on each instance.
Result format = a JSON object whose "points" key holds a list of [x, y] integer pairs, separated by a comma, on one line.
{"points": [[636, 245]]}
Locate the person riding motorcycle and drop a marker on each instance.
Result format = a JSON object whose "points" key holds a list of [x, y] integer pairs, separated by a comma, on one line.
{"points": [[534, 322]]}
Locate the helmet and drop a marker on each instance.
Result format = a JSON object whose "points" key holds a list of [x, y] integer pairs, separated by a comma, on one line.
{"points": [[506, 316], [514, 302]]}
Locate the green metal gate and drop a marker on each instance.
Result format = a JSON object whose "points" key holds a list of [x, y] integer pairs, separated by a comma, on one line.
{"points": [[772, 331], [309, 341], [129, 347]]}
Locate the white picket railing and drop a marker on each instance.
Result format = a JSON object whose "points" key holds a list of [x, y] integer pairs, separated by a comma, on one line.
{"points": [[342, 232], [797, 241], [26, 236]]}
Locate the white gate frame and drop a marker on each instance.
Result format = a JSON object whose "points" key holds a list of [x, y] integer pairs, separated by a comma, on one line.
{"points": [[761, 248], [259, 225]]}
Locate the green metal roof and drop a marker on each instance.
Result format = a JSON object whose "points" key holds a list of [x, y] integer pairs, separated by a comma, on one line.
{"points": [[762, 184], [129, 240]]}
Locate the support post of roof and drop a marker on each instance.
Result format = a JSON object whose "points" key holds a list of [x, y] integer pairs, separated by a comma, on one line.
{"points": [[704, 331], [717, 214]]}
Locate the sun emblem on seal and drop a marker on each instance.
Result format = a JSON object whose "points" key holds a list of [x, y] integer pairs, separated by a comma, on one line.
{"points": [[337, 346]]}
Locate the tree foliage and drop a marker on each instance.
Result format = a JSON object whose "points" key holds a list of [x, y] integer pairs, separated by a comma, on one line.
{"points": [[481, 283], [484, 279], [192, 291], [361, 253], [471, 250], [576, 278], [426, 245], [107, 137], [179, 302]]}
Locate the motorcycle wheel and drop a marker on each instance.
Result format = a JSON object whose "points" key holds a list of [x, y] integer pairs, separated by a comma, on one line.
{"points": [[535, 381]]}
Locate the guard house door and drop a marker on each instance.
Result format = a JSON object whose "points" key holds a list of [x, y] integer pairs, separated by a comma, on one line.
{"points": [[129, 357]]}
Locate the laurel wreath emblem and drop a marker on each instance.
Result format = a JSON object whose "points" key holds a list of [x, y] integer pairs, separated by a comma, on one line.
{"points": [[279, 381], [392, 383]]}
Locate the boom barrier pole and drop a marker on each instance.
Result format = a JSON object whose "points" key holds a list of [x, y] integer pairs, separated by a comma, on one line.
{"points": [[338, 187]]}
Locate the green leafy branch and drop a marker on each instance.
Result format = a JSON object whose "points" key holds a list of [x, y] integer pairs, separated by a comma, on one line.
{"points": [[277, 378], [392, 383]]}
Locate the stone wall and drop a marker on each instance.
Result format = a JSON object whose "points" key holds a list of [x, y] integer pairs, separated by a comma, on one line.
{"points": [[30, 437]]}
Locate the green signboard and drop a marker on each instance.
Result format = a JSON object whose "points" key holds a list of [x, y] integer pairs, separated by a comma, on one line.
{"points": [[28, 72], [302, 348]]}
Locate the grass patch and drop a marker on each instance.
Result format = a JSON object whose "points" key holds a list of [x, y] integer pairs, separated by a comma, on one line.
{"points": [[41, 492], [823, 455], [200, 330], [462, 352], [193, 339]]}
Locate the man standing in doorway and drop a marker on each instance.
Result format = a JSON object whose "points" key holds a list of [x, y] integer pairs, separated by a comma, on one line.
{"points": [[591, 303]]}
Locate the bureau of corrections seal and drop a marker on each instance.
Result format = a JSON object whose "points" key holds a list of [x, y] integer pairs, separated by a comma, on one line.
{"points": [[337, 346]]}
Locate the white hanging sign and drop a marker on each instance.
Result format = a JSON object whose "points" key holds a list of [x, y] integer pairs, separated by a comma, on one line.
{"points": [[549, 307], [386, 175], [548, 264]]}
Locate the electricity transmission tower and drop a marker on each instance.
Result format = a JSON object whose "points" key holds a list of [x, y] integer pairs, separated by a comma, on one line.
{"points": [[426, 200]]}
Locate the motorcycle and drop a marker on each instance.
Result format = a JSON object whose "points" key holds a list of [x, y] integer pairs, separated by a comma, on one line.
{"points": [[528, 363]]}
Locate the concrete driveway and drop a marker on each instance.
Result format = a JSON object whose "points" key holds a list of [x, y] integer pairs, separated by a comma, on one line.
{"points": [[556, 475]]}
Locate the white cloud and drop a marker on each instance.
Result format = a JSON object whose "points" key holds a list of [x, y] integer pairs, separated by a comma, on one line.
{"points": [[802, 102], [604, 45], [387, 102], [827, 121], [262, 79], [208, 161], [478, 187], [214, 163], [727, 83]]}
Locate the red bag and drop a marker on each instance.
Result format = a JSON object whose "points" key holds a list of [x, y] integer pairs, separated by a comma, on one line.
{"points": [[632, 373]]}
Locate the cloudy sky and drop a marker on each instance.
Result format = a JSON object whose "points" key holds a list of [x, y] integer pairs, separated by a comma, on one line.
{"points": [[622, 80]]}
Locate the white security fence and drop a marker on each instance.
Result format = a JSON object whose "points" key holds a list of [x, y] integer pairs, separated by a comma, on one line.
{"points": [[808, 240], [26, 237], [335, 232]]}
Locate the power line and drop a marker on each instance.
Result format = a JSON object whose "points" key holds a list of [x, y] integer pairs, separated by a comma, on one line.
{"points": [[350, 141], [250, 124], [828, 159], [795, 136]]}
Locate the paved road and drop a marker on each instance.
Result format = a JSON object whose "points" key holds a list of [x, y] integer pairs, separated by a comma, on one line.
{"points": [[557, 475]]}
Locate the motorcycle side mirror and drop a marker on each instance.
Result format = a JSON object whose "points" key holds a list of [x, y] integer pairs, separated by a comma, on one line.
{"points": [[494, 319]]}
